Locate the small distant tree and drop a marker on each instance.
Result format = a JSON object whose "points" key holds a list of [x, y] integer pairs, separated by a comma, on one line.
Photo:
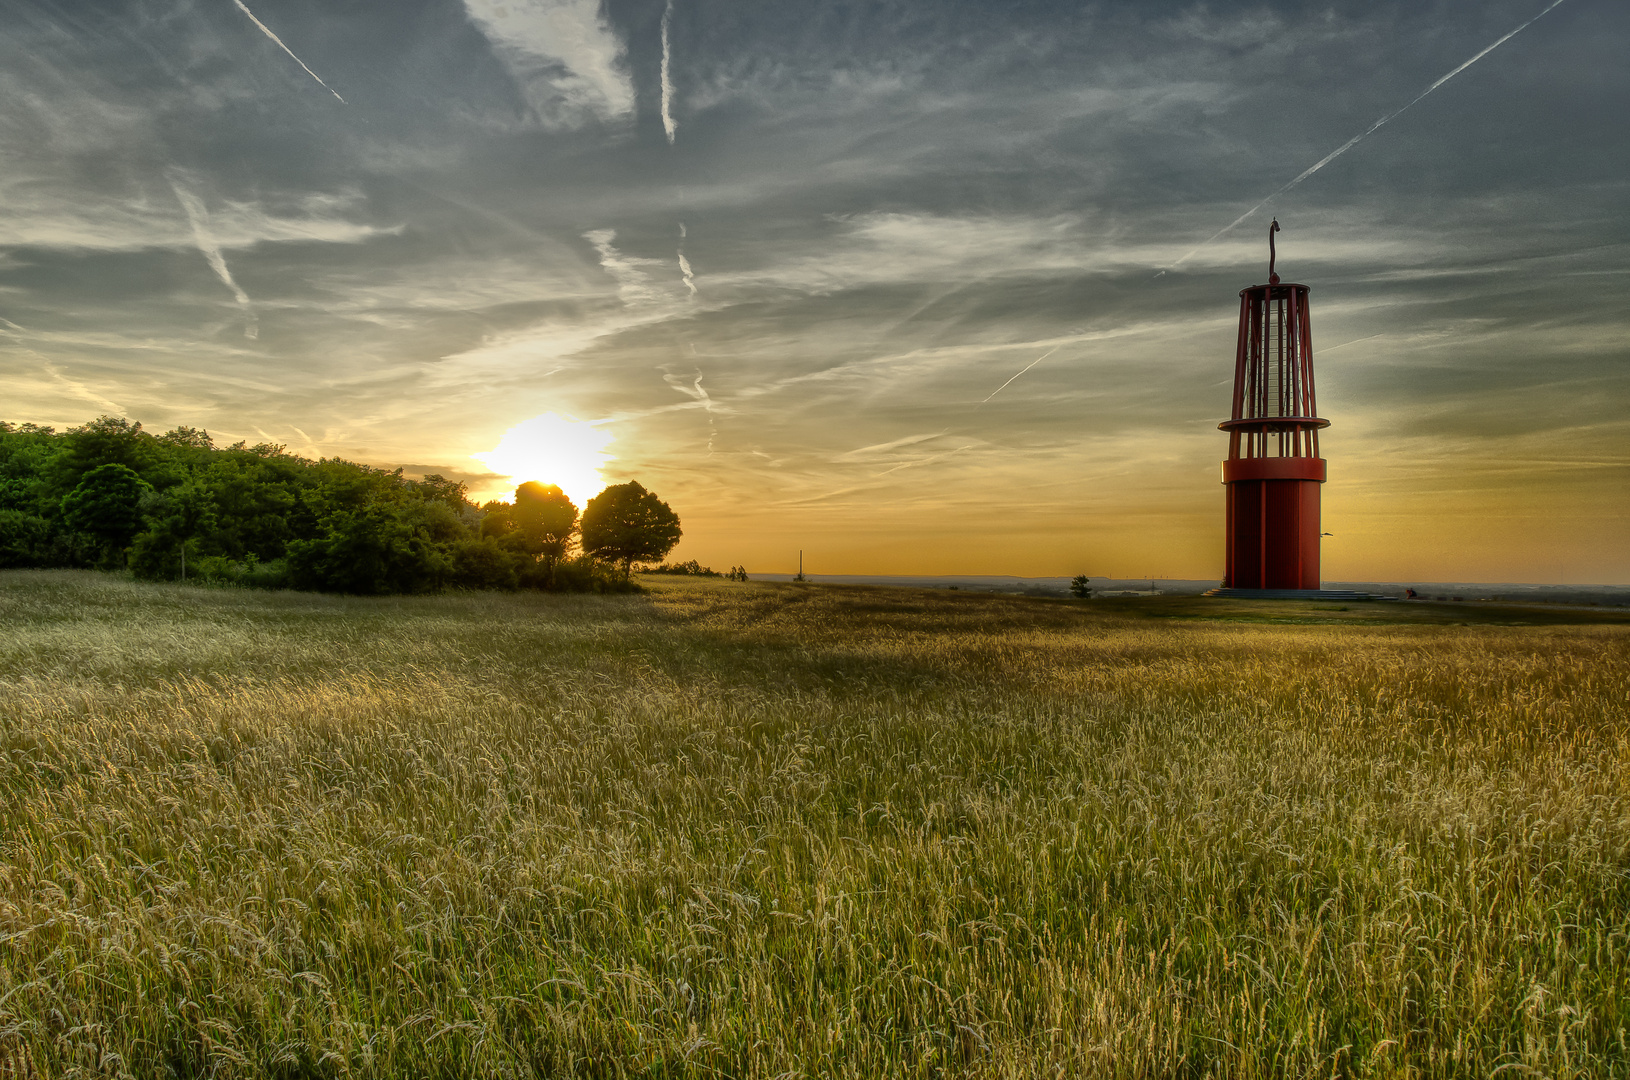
{"points": [[1081, 586], [625, 524]]}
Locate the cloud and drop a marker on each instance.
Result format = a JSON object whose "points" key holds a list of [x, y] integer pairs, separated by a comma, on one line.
{"points": [[698, 394], [685, 272], [198, 216], [79, 390], [567, 62], [668, 125], [639, 280], [48, 218], [884, 447]]}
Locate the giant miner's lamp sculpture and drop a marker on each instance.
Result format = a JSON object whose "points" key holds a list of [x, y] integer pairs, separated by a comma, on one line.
{"points": [[1274, 470]]}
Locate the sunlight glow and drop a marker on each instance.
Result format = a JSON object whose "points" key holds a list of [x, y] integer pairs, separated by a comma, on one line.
{"points": [[553, 449]]}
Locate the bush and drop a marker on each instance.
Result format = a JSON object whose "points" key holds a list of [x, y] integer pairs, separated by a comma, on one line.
{"points": [[25, 540], [582, 574], [691, 569], [485, 564], [368, 552], [248, 573]]}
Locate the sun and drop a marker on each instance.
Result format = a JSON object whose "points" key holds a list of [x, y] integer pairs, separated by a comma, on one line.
{"points": [[553, 449]]}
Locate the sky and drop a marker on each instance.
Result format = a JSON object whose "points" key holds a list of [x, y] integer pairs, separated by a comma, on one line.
{"points": [[910, 286]]}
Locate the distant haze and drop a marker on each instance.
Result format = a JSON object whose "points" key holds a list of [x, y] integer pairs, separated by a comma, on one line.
{"points": [[879, 281]]}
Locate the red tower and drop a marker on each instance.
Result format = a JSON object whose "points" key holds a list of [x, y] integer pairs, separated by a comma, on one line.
{"points": [[1274, 470]]}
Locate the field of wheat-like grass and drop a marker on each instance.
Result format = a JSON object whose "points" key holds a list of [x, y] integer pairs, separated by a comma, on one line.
{"points": [[758, 830]]}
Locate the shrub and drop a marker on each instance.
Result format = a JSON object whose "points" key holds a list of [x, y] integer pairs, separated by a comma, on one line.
{"points": [[691, 569]]}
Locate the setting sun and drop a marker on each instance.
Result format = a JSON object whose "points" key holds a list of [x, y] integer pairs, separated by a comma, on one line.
{"points": [[553, 449]]}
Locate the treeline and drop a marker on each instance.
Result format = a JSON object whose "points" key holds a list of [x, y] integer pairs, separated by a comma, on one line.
{"points": [[110, 495]]}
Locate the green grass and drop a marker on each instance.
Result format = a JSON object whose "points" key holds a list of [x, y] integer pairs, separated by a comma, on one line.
{"points": [[769, 830]]}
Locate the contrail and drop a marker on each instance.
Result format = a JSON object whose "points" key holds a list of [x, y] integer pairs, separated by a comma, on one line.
{"points": [[707, 403], [923, 461], [668, 124], [1354, 141], [267, 31], [696, 392], [684, 263], [1027, 367], [198, 215]]}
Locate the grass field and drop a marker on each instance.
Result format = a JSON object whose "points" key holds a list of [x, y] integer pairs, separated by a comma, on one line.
{"points": [[770, 831]]}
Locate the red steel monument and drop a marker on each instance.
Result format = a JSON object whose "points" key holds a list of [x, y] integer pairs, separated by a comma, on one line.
{"points": [[1274, 470]]}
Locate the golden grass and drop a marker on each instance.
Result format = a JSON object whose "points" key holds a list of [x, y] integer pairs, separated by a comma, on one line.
{"points": [[768, 830]]}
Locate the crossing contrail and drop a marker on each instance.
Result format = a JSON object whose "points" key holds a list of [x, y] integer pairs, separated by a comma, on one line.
{"points": [[204, 237], [1354, 141], [267, 31]]}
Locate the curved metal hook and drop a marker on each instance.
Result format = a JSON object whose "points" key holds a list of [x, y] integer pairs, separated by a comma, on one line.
{"points": [[1273, 278]]}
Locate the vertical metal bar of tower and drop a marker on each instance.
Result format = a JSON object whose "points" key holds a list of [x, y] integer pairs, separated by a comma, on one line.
{"points": [[1239, 374]]}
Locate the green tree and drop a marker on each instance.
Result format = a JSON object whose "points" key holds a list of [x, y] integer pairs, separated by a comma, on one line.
{"points": [[106, 505], [192, 438], [435, 487], [25, 539], [175, 521], [256, 503], [625, 524], [484, 564], [370, 551], [107, 440], [544, 521], [1081, 586]]}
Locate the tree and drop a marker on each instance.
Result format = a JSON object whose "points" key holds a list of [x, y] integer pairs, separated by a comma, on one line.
{"points": [[544, 520], [25, 539], [370, 551], [107, 440], [175, 520], [106, 504], [436, 487], [194, 438], [625, 524], [1081, 586]]}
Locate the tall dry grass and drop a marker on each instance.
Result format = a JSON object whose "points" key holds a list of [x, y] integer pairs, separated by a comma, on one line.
{"points": [[767, 831]]}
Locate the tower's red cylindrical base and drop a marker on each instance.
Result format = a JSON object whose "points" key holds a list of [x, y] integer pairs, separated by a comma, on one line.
{"points": [[1273, 523]]}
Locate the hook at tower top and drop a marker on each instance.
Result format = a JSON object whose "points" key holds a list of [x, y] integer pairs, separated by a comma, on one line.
{"points": [[1273, 278]]}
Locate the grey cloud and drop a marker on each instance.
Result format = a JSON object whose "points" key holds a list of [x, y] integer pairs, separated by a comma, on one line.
{"points": [[566, 60]]}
